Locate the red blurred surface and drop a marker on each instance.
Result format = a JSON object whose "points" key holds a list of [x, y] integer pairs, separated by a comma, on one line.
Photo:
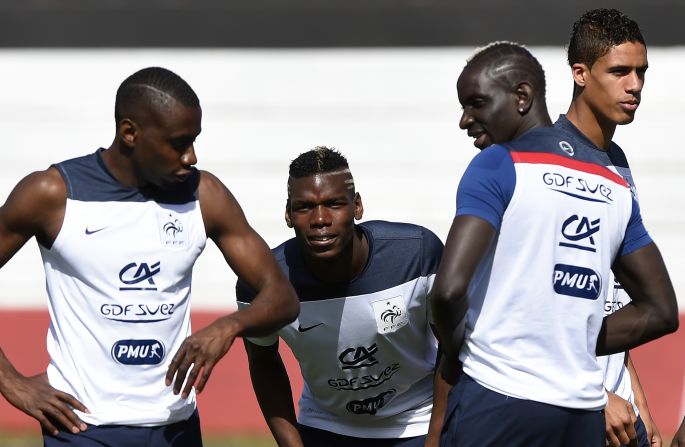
{"points": [[228, 404]]}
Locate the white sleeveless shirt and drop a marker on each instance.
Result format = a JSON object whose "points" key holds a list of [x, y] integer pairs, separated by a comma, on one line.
{"points": [[119, 279]]}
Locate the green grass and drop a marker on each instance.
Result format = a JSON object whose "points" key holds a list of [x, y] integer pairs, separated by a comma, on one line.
{"points": [[35, 440]]}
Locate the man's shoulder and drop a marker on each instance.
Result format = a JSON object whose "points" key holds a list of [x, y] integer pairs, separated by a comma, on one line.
{"points": [[381, 229], [285, 250], [404, 247], [44, 185]]}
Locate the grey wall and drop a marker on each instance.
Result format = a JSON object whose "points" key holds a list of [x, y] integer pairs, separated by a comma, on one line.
{"points": [[314, 23], [393, 112]]}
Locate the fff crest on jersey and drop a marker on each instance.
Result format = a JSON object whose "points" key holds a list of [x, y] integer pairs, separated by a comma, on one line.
{"points": [[172, 229], [390, 313]]}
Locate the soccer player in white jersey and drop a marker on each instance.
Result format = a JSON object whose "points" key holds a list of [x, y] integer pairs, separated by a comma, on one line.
{"points": [[363, 340], [119, 231], [519, 299], [485, 87], [595, 34]]}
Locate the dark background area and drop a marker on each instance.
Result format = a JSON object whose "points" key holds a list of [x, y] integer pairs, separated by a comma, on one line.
{"points": [[314, 23]]}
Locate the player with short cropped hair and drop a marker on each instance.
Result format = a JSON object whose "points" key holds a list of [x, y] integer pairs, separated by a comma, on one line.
{"points": [[519, 294], [119, 231], [485, 93], [601, 42], [363, 341]]}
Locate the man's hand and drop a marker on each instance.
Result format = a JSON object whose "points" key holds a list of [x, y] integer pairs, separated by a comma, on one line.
{"points": [[653, 435], [679, 437], [199, 353], [620, 421], [52, 408]]}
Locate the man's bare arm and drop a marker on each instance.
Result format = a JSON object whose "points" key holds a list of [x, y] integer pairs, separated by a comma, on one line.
{"points": [[35, 208], [653, 434], [467, 244], [274, 306], [653, 309], [271, 385]]}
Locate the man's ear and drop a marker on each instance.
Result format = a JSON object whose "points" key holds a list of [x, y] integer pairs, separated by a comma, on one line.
{"points": [[358, 206], [288, 221], [128, 132], [524, 97], [580, 73]]}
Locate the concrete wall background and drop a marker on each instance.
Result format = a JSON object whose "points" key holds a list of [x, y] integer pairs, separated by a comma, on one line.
{"points": [[314, 23], [393, 112]]}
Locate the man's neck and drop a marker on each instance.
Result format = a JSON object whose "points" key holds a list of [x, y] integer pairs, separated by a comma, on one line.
{"points": [[120, 166], [589, 125]]}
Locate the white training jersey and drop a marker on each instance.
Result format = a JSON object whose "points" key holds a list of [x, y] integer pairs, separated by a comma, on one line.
{"points": [[536, 303], [365, 347], [616, 375], [118, 281]]}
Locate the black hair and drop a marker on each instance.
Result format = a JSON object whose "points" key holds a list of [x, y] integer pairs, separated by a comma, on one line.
{"points": [[511, 63], [152, 87], [596, 31], [319, 160]]}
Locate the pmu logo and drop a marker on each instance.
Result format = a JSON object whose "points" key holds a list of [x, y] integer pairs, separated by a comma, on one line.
{"points": [[579, 233], [576, 281], [353, 358], [372, 404], [133, 274], [138, 352]]}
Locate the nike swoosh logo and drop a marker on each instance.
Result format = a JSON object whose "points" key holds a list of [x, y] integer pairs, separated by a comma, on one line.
{"points": [[305, 329], [89, 232]]}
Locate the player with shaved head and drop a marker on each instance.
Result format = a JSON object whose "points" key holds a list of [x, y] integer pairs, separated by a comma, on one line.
{"points": [[119, 231], [502, 93], [519, 296], [483, 99]]}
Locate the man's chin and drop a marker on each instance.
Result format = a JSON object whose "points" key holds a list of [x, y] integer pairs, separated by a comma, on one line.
{"points": [[321, 252], [627, 119], [482, 142]]}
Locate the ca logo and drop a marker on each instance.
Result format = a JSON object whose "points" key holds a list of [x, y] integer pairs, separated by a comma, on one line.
{"points": [[353, 358], [134, 273], [579, 231]]}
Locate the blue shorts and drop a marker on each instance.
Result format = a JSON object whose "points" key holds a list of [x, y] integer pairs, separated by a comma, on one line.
{"points": [[315, 437], [179, 434], [641, 430], [479, 417]]}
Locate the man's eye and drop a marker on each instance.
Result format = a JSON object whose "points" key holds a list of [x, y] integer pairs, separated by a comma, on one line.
{"points": [[182, 144], [300, 208]]}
